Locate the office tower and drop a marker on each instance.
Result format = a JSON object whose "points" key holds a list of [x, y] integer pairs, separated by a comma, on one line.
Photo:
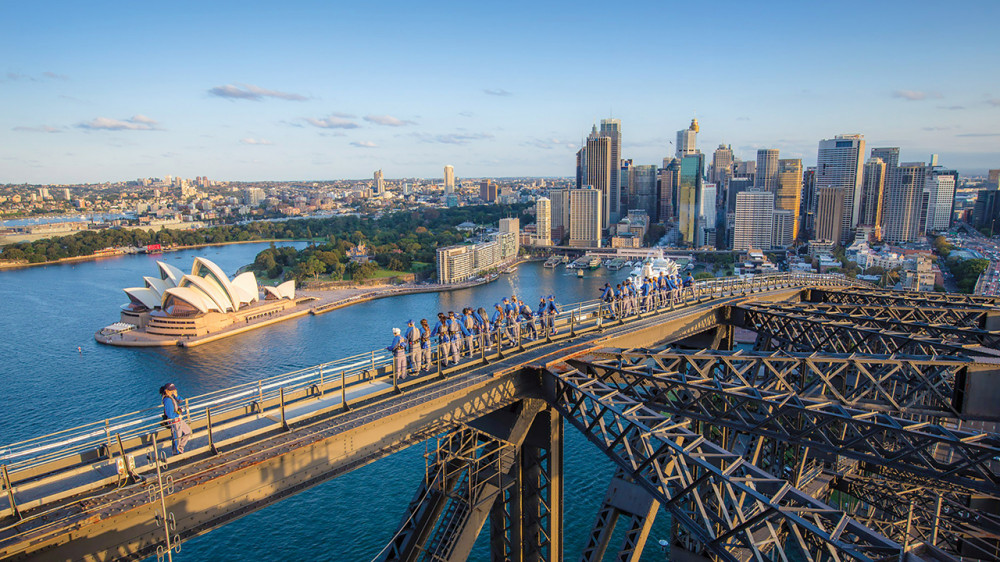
{"points": [[722, 164], [941, 195], [599, 170], [612, 129], [449, 180], [642, 182], [829, 214], [734, 188], [782, 232], [707, 215], [752, 221], [687, 140], [888, 155], [378, 185], [872, 195], [625, 184], [745, 169], [488, 191], [560, 214], [788, 194], [543, 222], [585, 217], [839, 164], [581, 166], [902, 204], [667, 181], [993, 178], [689, 196], [766, 177]]}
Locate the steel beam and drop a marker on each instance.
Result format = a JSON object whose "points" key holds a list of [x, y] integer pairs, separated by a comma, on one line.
{"points": [[946, 315], [859, 295], [734, 509], [628, 500], [792, 331], [933, 453]]}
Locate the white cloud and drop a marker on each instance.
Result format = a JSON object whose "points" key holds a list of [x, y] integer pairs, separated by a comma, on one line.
{"points": [[364, 144], [497, 92], [387, 120], [254, 141], [335, 121], [452, 138], [39, 129], [914, 95], [251, 92], [135, 123], [995, 102]]}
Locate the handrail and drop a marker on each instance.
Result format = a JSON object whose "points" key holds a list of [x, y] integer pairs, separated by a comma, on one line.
{"points": [[65, 443]]}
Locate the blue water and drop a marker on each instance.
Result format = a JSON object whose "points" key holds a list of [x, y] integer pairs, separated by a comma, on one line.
{"points": [[46, 313]]}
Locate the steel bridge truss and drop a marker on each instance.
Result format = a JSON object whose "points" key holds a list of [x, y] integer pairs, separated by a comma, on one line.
{"points": [[876, 297], [730, 507]]}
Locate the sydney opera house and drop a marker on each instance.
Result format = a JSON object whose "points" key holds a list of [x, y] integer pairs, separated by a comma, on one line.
{"points": [[201, 302]]}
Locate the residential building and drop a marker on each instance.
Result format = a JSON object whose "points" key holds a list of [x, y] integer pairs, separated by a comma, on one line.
{"points": [[560, 214], [378, 183], [456, 263], [488, 191], [903, 201], [782, 231], [449, 180], [940, 186], [839, 165], [543, 222], [510, 226], [753, 227], [597, 170]]}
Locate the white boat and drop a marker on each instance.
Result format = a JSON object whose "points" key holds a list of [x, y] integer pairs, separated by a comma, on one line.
{"points": [[653, 267]]}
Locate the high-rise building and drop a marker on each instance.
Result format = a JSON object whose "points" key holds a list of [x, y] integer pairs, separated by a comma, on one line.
{"points": [[667, 182], [642, 182], [734, 188], [752, 224], [941, 196], [722, 165], [378, 185], [543, 222], [449, 180], [902, 203], [625, 183], [560, 214], [807, 219], [599, 168], [510, 230], [829, 214], [689, 197], [783, 227], [612, 129], [993, 178], [707, 215], [839, 164], [889, 156], [687, 140], [788, 194], [488, 191], [585, 217], [872, 195], [766, 177]]}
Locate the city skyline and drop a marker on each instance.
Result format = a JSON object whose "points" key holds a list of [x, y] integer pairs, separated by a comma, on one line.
{"points": [[326, 92]]}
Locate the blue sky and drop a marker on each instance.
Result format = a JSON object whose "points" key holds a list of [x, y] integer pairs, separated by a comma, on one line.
{"points": [[101, 91]]}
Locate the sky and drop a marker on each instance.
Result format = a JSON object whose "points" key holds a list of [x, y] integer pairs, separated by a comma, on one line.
{"points": [[111, 91]]}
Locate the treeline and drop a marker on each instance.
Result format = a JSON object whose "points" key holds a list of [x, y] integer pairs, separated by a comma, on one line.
{"points": [[405, 241], [379, 232]]}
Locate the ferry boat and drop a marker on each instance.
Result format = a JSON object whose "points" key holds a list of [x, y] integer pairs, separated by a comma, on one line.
{"points": [[579, 273], [552, 262], [594, 263], [510, 270]]}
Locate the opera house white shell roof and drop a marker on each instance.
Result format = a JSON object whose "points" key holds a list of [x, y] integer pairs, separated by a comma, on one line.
{"points": [[205, 289]]}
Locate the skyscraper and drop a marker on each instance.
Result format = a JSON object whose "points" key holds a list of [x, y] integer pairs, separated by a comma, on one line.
{"points": [[903, 201], [839, 164], [585, 217], [543, 222], [625, 183], [560, 214], [767, 170], [642, 180], [687, 140], [689, 196], [722, 164], [941, 195], [667, 182], [488, 191], [449, 180], [788, 194], [599, 170], [872, 195], [612, 129], [752, 227], [829, 213], [378, 185]]}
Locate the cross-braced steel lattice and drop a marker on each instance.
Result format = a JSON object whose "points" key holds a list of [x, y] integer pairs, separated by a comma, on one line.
{"points": [[859, 295]]}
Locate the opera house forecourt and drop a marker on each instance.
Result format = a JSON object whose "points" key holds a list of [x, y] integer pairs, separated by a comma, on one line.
{"points": [[186, 309]]}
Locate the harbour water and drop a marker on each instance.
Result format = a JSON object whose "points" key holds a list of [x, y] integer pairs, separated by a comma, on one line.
{"points": [[47, 313]]}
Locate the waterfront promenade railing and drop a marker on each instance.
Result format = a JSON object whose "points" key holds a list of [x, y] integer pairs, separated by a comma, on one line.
{"points": [[102, 440]]}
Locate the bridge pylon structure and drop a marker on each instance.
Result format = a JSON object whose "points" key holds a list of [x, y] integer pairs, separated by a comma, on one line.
{"points": [[778, 418]]}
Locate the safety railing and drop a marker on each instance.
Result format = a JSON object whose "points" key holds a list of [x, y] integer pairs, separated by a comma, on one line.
{"points": [[106, 437]]}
